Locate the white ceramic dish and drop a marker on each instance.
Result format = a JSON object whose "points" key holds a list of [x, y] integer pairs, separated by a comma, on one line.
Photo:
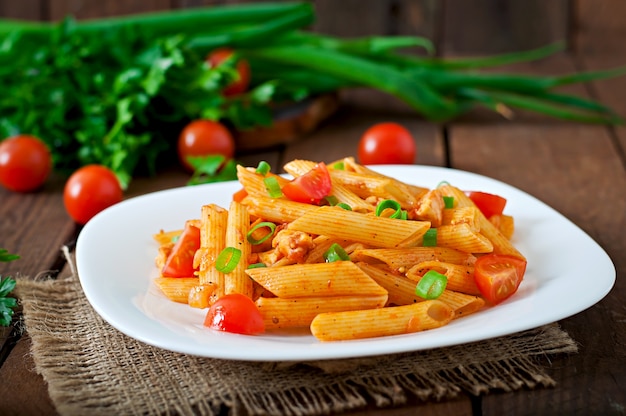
{"points": [[115, 258]]}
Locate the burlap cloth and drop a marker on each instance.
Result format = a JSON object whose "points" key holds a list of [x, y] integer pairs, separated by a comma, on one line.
{"points": [[91, 368]]}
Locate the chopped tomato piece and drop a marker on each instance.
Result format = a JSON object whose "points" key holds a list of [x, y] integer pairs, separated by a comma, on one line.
{"points": [[235, 313], [489, 204], [311, 187], [180, 261], [498, 276], [240, 195]]}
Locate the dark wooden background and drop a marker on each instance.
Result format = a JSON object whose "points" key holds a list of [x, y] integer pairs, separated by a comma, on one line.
{"points": [[456, 26], [534, 154]]}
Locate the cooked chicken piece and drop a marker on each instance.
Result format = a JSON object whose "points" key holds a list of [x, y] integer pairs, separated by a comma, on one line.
{"points": [[430, 208], [294, 245]]}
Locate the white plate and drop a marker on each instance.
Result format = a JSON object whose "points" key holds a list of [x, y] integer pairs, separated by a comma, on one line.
{"points": [[115, 257]]}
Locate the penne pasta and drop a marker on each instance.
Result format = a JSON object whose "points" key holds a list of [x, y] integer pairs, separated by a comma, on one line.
{"points": [[176, 288], [281, 313], [460, 278], [339, 278], [404, 258], [368, 229], [237, 226], [395, 320]]}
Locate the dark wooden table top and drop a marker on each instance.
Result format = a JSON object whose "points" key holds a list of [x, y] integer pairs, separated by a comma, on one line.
{"points": [[579, 170]]}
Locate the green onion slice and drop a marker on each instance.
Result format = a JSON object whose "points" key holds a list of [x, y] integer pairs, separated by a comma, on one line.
{"points": [[331, 200], [431, 285], [344, 206], [339, 166], [448, 201], [256, 265], [442, 183], [335, 253], [263, 168], [389, 203], [255, 242], [228, 259], [430, 238], [273, 187]]}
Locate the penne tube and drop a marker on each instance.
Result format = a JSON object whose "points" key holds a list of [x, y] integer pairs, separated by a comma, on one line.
{"points": [[504, 223], [339, 278], [176, 288], [460, 278], [394, 320], [254, 183], [462, 215], [463, 238], [401, 291], [401, 259], [276, 210], [368, 229], [281, 313], [237, 226], [461, 303], [501, 244], [212, 241]]}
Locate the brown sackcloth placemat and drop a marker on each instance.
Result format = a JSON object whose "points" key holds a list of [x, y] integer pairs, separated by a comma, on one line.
{"points": [[91, 368]]}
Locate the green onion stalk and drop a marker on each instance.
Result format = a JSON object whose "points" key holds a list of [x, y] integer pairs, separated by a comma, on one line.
{"points": [[118, 90]]}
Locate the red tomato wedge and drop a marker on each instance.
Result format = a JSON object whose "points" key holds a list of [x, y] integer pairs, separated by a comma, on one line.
{"points": [[180, 261], [489, 204], [235, 313], [311, 187], [498, 276]]}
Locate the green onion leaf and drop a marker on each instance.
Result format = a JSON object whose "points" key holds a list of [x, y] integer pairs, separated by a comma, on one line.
{"points": [[330, 200], [272, 186], [228, 259], [339, 166], [344, 206], [390, 203], [448, 201], [431, 285], [263, 168], [336, 253], [267, 224], [256, 265], [430, 238]]}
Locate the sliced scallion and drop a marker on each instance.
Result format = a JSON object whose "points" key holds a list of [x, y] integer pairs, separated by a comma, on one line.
{"points": [[335, 253], [228, 259], [344, 206], [448, 201], [430, 238], [273, 187], [263, 168], [264, 224], [256, 265], [390, 204], [431, 285]]}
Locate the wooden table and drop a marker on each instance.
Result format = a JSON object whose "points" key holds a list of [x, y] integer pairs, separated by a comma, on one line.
{"points": [[580, 170]]}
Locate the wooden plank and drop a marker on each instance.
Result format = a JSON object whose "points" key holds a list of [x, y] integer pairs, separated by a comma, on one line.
{"points": [[85, 9], [599, 27], [480, 27], [23, 9]]}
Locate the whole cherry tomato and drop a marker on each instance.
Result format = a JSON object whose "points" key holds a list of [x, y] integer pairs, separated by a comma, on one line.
{"points": [[25, 163], [387, 143], [243, 71], [90, 190], [204, 138], [235, 313]]}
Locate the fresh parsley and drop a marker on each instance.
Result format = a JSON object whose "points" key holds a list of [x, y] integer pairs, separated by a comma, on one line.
{"points": [[7, 284]]}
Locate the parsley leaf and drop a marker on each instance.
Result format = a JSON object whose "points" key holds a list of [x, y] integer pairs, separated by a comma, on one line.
{"points": [[7, 284], [208, 169]]}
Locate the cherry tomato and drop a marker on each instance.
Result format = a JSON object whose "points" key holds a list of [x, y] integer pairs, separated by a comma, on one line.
{"points": [[489, 204], [243, 71], [387, 143], [179, 263], [204, 138], [25, 163], [89, 190], [311, 187], [235, 313], [498, 276]]}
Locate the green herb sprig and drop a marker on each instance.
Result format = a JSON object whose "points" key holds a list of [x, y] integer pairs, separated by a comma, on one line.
{"points": [[7, 284]]}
